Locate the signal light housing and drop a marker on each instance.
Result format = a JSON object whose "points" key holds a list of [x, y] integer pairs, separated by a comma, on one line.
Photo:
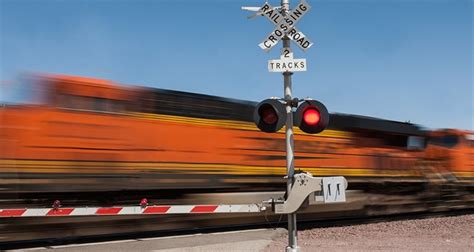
{"points": [[311, 116], [270, 115]]}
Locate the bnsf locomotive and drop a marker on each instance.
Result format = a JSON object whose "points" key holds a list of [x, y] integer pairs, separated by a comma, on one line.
{"points": [[89, 135]]}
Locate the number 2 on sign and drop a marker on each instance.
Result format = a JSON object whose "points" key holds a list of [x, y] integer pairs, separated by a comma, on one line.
{"points": [[286, 53]]}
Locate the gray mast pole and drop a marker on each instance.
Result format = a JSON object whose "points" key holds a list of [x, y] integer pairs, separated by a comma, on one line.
{"points": [[290, 165]]}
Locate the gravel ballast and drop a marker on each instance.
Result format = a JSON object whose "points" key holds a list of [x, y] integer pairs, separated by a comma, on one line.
{"points": [[453, 233]]}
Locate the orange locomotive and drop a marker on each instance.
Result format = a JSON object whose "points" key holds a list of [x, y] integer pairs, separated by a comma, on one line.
{"points": [[93, 135]]}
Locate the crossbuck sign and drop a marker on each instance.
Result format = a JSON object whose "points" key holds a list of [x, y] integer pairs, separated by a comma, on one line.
{"points": [[285, 26]]}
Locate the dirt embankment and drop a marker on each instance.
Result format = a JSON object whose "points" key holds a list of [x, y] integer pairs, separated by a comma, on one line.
{"points": [[430, 234]]}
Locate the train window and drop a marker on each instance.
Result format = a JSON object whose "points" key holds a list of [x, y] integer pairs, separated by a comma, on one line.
{"points": [[89, 103], [74, 102], [381, 139], [61, 101], [99, 104], [448, 141], [415, 143], [199, 106]]}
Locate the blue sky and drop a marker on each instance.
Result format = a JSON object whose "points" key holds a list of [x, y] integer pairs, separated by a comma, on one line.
{"points": [[403, 60]]}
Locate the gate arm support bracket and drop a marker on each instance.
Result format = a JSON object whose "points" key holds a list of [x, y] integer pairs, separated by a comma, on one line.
{"points": [[304, 184]]}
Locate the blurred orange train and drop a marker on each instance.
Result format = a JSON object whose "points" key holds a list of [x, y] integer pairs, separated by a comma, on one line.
{"points": [[94, 135]]}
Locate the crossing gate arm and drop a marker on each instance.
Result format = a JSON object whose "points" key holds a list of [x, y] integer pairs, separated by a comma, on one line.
{"points": [[326, 189], [132, 210]]}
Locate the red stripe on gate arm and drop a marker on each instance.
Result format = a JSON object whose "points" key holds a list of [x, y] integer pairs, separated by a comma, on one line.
{"points": [[108, 210], [156, 209], [12, 212], [203, 209], [60, 211]]}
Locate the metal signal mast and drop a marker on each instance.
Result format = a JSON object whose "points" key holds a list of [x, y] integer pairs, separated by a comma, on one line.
{"points": [[270, 115]]}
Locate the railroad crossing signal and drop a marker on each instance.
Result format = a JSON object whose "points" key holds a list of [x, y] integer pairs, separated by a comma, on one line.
{"points": [[270, 115], [311, 116]]}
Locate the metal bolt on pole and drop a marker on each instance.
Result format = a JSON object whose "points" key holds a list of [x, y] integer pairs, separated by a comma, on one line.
{"points": [[290, 164]]}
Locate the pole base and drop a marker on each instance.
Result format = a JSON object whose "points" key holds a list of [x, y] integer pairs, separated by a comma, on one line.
{"points": [[293, 249]]}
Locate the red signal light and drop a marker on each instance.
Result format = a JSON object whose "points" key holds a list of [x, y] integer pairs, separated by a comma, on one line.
{"points": [[311, 116], [269, 115]]}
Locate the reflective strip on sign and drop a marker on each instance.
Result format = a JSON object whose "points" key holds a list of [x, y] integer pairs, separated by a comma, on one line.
{"points": [[237, 209], [12, 212], [203, 209], [108, 211], [227, 208], [59, 212], [131, 210], [179, 209], [36, 212], [156, 210], [84, 211]]}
